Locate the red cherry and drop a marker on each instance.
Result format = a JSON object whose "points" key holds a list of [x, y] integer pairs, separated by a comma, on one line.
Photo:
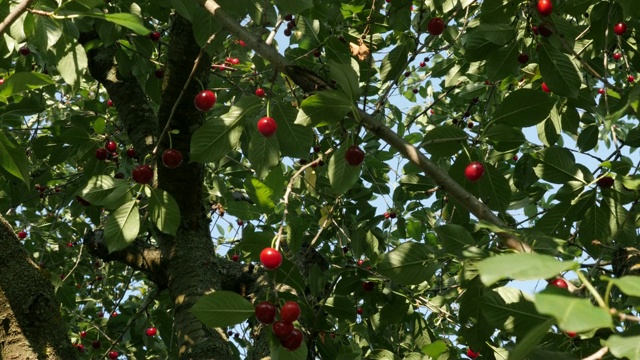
{"points": [[317, 53], [205, 100], [281, 329], [1, 81], [620, 28], [267, 126], [359, 311], [631, 79], [260, 92], [293, 341], [617, 56], [392, 215], [545, 7], [288, 17], [239, 222], [545, 29], [435, 26], [241, 43], [474, 171], [96, 344], [114, 314], [131, 152], [290, 311], [109, 103], [113, 354], [472, 354], [287, 32], [159, 73], [22, 234], [534, 30], [423, 64], [605, 182], [151, 331], [142, 174], [111, 146], [270, 258], [102, 154], [266, 312], [354, 155], [386, 215], [80, 347], [571, 334], [601, 91], [172, 158], [523, 58], [155, 36], [559, 283], [232, 61], [235, 257], [545, 88], [83, 334], [24, 51], [368, 285], [360, 262]]}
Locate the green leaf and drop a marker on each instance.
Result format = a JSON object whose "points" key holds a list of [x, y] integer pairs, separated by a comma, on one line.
{"points": [[633, 137], [127, 20], [341, 307], [527, 343], [495, 190], [499, 34], [588, 138], [260, 193], [44, 32], [557, 165], [521, 266], [511, 310], [455, 239], [222, 309], [594, 225], [572, 313], [346, 76], [323, 108], [122, 226], [503, 63], [163, 210], [444, 140], [524, 108], [629, 285], [13, 159], [504, 137], [263, 154], [406, 263], [23, 81], [435, 349], [293, 6], [103, 190], [217, 136], [496, 11], [624, 347], [559, 72], [342, 176], [394, 62], [72, 65], [294, 140]]}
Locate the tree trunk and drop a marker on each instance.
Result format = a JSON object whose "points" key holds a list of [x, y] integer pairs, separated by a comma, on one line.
{"points": [[31, 325]]}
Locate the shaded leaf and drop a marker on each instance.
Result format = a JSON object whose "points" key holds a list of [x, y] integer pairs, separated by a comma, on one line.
{"points": [[222, 309]]}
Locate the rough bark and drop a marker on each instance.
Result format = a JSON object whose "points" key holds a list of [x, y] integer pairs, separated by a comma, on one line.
{"points": [[192, 266], [31, 326]]}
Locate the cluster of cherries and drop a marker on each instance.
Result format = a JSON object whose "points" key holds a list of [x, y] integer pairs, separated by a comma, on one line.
{"points": [[266, 312], [290, 337]]}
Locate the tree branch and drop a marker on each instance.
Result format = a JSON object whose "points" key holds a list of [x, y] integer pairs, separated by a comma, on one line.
{"points": [[411, 153], [139, 255], [30, 321], [17, 11]]}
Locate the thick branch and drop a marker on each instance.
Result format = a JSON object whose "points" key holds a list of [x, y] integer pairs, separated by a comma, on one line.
{"points": [[17, 11], [31, 326], [140, 256], [133, 105], [410, 152]]}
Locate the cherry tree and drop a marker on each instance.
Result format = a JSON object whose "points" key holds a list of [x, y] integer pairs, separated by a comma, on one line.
{"points": [[319, 179]]}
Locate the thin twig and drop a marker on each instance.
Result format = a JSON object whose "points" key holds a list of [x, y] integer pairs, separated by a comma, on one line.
{"points": [[13, 16], [598, 354]]}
